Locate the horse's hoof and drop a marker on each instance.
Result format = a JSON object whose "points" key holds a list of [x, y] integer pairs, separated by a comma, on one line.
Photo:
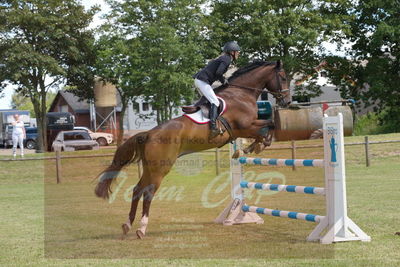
{"points": [[140, 234], [237, 154], [125, 229], [259, 147]]}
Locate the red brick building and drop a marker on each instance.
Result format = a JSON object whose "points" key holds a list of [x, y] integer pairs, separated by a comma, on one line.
{"points": [[68, 102]]}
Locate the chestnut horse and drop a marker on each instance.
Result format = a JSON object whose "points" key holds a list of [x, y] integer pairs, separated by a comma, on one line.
{"points": [[159, 147]]}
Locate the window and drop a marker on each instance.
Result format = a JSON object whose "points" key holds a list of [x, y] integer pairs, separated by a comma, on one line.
{"points": [[145, 106], [76, 136], [135, 106], [79, 136], [31, 130], [64, 108], [82, 136], [68, 136]]}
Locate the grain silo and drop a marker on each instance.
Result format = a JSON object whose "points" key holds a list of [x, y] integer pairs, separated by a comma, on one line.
{"points": [[104, 107], [105, 94]]}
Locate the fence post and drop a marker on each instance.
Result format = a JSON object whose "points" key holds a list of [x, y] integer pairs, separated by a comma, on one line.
{"points": [[293, 154], [58, 165], [217, 161], [367, 162]]}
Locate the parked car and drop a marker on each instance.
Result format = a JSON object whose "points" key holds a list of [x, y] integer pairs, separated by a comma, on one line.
{"points": [[104, 139], [74, 140], [31, 137], [57, 122]]}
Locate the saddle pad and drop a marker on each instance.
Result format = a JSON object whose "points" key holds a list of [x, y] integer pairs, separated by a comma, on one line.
{"points": [[199, 118]]}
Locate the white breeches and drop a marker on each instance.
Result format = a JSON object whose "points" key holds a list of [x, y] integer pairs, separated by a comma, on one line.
{"points": [[206, 90], [18, 139]]}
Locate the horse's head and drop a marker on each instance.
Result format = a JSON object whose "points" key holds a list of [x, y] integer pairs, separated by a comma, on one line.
{"points": [[278, 85]]}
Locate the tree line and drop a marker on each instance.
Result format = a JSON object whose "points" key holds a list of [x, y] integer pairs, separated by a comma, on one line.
{"points": [[152, 48]]}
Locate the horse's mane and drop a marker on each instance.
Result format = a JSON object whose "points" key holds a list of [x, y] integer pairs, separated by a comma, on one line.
{"points": [[251, 66], [243, 70]]}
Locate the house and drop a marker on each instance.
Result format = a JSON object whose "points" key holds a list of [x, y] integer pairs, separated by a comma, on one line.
{"points": [[139, 115], [68, 102], [81, 109]]}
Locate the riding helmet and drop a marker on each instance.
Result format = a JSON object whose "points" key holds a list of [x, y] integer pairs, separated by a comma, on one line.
{"points": [[231, 46]]}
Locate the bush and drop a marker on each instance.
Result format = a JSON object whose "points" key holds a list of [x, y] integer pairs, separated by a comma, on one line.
{"points": [[389, 120], [366, 124], [384, 122]]}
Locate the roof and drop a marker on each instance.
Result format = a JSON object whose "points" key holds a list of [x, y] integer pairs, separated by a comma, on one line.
{"points": [[73, 101], [76, 105]]}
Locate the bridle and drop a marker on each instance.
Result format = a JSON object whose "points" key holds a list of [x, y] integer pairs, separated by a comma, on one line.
{"points": [[278, 95]]}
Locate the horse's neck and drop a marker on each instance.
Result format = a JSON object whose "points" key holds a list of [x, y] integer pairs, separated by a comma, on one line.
{"points": [[237, 92], [252, 82], [256, 78]]}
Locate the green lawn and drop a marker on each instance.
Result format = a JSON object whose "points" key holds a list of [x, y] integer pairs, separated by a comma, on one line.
{"points": [[43, 223]]}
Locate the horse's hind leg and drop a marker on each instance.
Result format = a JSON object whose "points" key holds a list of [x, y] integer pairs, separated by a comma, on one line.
{"points": [[148, 195], [136, 195], [157, 170], [161, 153], [147, 186]]}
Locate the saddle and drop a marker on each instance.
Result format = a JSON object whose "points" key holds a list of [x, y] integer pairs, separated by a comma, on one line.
{"points": [[204, 105]]}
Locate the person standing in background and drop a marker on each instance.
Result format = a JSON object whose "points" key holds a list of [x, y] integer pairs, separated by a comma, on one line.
{"points": [[18, 135]]}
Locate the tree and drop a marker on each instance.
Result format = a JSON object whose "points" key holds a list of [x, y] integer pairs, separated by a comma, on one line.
{"points": [[22, 102], [118, 62], [292, 31], [45, 44], [370, 70], [169, 39]]}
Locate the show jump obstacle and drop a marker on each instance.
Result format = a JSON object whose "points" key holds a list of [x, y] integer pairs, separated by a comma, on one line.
{"points": [[335, 226]]}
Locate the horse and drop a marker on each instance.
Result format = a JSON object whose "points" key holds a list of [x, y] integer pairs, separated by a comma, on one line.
{"points": [[159, 147]]}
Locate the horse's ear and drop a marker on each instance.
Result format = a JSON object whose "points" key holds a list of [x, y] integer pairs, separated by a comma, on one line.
{"points": [[278, 64]]}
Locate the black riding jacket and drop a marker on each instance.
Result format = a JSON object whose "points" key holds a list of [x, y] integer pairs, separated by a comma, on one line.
{"points": [[214, 70]]}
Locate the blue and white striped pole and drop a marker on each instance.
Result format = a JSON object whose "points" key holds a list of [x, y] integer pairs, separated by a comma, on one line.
{"points": [[284, 188], [284, 213], [282, 162]]}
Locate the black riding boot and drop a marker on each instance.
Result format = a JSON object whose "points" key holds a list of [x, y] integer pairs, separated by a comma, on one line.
{"points": [[213, 121]]}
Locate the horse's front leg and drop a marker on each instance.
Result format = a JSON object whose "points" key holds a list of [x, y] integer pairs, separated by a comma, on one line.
{"points": [[262, 132]]}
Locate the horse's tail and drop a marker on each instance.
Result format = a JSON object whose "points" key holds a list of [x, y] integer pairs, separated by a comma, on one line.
{"points": [[131, 151]]}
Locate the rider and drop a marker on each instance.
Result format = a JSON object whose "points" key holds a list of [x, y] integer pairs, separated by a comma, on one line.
{"points": [[215, 70]]}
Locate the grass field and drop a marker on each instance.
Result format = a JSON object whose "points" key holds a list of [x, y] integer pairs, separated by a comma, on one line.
{"points": [[45, 224]]}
